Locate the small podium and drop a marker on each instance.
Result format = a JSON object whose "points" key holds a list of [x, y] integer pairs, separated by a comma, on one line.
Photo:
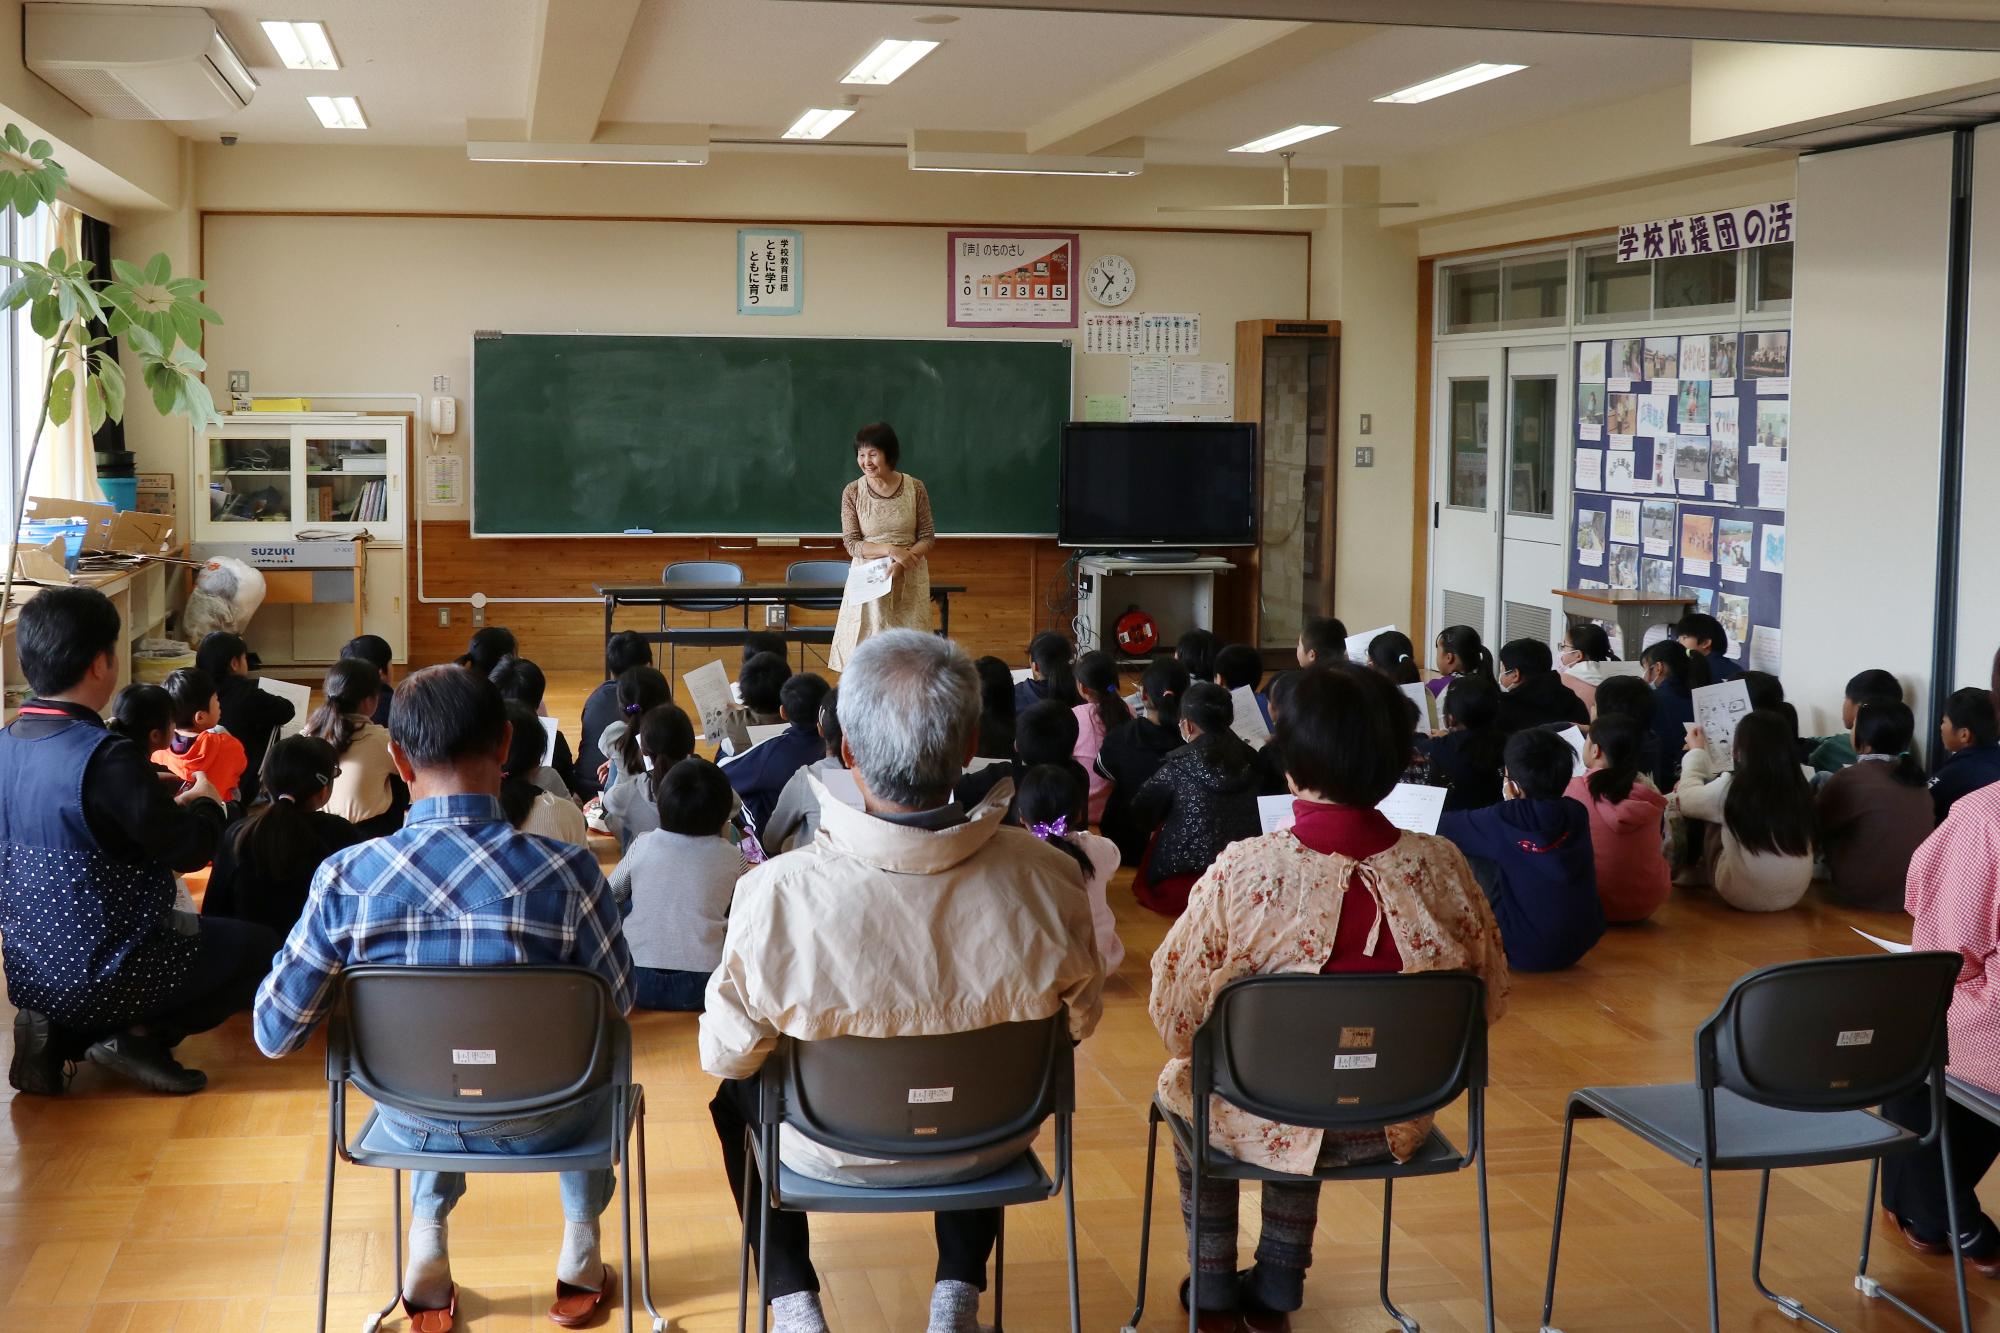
{"points": [[1634, 613]]}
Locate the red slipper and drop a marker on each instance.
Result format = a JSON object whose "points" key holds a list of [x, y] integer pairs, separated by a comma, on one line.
{"points": [[433, 1321], [577, 1306]]}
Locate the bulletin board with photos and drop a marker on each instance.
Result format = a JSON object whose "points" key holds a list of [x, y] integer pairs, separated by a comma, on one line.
{"points": [[1683, 458]]}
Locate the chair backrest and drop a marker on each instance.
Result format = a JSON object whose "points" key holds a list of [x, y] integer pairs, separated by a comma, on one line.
{"points": [[1830, 1034], [923, 1096], [1343, 1051], [817, 571], [702, 571], [476, 1042]]}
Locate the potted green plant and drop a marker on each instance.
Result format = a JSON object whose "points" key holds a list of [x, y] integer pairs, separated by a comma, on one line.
{"points": [[160, 317]]}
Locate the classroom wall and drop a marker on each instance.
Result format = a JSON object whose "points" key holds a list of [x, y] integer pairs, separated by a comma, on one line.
{"points": [[1979, 535], [1868, 321]]}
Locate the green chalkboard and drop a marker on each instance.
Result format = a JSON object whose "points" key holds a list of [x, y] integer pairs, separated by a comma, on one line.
{"points": [[587, 433]]}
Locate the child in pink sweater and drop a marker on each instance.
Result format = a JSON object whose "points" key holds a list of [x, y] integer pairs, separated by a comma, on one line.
{"points": [[1626, 818]]}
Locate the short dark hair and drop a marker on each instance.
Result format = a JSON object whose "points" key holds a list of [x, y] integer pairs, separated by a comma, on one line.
{"points": [[666, 732], [1208, 708], [139, 711], [1472, 701], [1196, 651], [1972, 709], [1702, 627], [444, 714], [1238, 664], [1279, 692], [372, 649], [1045, 733], [520, 681], [1875, 686], [996, 689], [1540, 762], [192, 691], [625, 650], [880, 435], [829, 721], [764, 641], [1627, 696], [1343, 735], [802, 695], [1765, 690], [61, 632], [1530, 657], [762, 682], [487, 646], [693, 799], [1325, 636], [218, 649]]}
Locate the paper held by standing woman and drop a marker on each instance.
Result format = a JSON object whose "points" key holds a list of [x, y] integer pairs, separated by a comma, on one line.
{"points": [[869, 579]]}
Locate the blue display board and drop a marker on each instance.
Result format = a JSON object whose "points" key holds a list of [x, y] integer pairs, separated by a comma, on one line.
{"points": [[1683, 473]]}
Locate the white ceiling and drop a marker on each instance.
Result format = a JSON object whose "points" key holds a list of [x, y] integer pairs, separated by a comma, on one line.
{"points": [[422, 68]]}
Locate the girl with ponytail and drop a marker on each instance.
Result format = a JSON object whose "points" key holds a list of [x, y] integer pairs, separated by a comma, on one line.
{"points": [[1393, 655], [367, 793], [1101, 712], [1134, 750], [1460, 653], [1626, 820], [1049, 805], [265, 864], [528, 806], [1873, 816]]}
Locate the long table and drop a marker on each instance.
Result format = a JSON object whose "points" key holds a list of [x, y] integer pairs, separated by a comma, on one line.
{"points": [[777, 593]]}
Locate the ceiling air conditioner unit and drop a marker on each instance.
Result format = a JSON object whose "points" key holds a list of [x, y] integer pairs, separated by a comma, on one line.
{"points": [[137, 62]]}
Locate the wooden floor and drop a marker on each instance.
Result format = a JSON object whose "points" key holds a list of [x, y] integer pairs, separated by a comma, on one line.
{"points": [[124, 1211]]}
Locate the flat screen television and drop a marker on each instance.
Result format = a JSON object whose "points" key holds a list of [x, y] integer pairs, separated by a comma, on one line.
{"points": [[1130, 485]]}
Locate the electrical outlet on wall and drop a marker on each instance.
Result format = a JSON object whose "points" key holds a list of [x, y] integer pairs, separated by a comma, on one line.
{"points": [[1367, 423], [479, 617], [1364, 455], [440, 384], [444, 617], [774, 617], [239, 381]]}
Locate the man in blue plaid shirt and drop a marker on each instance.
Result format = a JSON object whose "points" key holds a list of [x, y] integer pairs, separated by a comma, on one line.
{"points": [[458, 885]]}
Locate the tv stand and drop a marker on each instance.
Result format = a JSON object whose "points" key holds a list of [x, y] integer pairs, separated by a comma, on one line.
{"points": [[1179, 593], [1158, 555]]}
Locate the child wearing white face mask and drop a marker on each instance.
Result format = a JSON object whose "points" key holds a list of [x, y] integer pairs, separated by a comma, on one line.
{"points": [[666, 737], [1586, 661]]}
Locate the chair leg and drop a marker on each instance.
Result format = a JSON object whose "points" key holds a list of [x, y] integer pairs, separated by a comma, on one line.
{"points": [[1146, 1215], [1556, 1230], [1000, 1274], [1867, 1227], [1873, 1288], [1485, 1240], [1951, 1220], [1388, 1204], [764, 1188], [743, 1259], [326, 1231], [645, 1227], [1194, 1235], [625, 1232], [1075, 1290], [1708, 1228], [374, 1321]]}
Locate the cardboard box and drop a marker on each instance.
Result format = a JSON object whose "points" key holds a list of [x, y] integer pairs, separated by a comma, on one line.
{"points": [[111, 532]]}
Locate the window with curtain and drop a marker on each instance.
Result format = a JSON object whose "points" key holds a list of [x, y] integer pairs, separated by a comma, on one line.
{"points": [[66, 464]]}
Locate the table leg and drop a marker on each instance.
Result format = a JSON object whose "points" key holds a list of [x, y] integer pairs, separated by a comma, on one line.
{"points": [[610, 605], [944, 614]]}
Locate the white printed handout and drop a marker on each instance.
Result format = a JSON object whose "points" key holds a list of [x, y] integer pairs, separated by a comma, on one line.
{"points": [[1619, 476], [1574, 735], [1717, 710], [708, 687], [1108, 331], [1410, 806], [1426, 702], [551, 727], [1249, 720], [1766, 648], [298, 696], [1774, 485], [1653, 414], [1722, 419], [1357, 644], [868, 580], [1152, 386], [1886, 946], [1590, 363]]}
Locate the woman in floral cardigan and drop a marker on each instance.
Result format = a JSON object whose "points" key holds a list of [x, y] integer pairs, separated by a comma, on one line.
{"points": [[1343, 890]]}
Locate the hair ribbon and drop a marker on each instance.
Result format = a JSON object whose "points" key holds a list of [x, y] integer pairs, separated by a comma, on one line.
{"points": [[1055, 828]]}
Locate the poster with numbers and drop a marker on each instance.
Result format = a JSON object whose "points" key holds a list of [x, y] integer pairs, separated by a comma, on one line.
{"points": [[1011, 280]]}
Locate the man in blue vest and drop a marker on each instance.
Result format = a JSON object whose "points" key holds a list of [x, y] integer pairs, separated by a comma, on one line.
{"points": [[98, 964]]}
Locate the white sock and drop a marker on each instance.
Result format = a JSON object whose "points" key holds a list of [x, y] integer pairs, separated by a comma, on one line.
{"points": [[427, 1277], [954, 1308], [798, 1313], [580, 1264]]}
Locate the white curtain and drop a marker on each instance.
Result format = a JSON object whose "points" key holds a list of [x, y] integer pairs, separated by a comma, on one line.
{"points": [[66, 467]]}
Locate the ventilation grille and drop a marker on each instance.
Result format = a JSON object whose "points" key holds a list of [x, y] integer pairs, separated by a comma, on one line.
{"points": [[100, 92], [1526, 621], [1462, 608]]}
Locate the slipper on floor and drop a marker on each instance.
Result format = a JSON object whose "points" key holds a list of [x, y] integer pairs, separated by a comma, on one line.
{"points": [[433, 1321], [577, 1306]]}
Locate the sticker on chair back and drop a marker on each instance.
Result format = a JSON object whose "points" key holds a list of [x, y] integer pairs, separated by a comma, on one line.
{"points": [[461, 1057], [1354, 1061], [1856, 1037], [930, 1096], [1352, 1038]]}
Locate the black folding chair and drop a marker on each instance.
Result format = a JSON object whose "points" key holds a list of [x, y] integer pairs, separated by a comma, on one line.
{"points": [[980, 1090], [499, 1043], [813, 571], [703, 571], [1338, 1052], [1785, 1071]]}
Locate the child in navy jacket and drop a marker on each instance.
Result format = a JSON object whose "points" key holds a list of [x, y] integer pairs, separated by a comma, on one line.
{"points": [[1532, 855]]}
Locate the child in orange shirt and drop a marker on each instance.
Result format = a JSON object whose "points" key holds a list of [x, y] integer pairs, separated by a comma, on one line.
{"points": [[198, 746]]}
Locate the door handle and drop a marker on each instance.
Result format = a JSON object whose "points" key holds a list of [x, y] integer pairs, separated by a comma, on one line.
{"points": [[1434, 513]]}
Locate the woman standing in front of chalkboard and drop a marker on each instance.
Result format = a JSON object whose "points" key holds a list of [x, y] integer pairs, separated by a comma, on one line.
{"points": [[884, 513]]}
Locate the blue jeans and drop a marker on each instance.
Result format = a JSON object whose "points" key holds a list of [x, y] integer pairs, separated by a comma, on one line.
{"points": [[669, 989], [433, 1194]]}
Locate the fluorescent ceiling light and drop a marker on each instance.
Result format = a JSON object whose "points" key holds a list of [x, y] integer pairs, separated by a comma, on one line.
{"points": [[890, 60], [338, 113], [819, 122], [1456, 81], [1024, 164], [1284, 138], [589, 154], [301, 45]]}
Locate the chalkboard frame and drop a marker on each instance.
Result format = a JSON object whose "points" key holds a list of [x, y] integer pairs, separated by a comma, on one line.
{"points": [[471, 398]]}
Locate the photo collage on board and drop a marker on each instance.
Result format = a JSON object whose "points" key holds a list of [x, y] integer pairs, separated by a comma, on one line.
{"points": [[1682, 476]]}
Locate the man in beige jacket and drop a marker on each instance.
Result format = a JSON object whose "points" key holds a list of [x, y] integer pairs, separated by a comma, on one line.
{"points": [[906, 917]]}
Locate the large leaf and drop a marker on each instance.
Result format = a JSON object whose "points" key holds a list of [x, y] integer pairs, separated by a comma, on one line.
{"points": [[62, 396], [93, 403], [16, 140], [44, 317], [112, 376], [127, 272], [166, 387], [16, 294], [159, 269]]}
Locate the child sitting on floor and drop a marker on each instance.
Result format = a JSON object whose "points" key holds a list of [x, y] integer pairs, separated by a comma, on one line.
{"points": [[1049, 805], [1101, 712], [366, 791], [1051, 673], [762, 684], [1627, 818], [1873, 686], [1465, 758], [1874, 815], [199, 744], [794, 820], [678, 881], [1202, 798], [664, 737], [528, 805], [265, 863], [1970, 734]]}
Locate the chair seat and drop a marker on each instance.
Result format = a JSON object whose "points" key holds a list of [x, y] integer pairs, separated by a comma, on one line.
{"points": [[1748, 1135], [1434, 1157], [1020, 1181], [1982, 1102], [597, 1150]]}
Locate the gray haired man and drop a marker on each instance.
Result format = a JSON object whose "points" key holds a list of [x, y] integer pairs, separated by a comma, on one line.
{"points": [[906, 917]]}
